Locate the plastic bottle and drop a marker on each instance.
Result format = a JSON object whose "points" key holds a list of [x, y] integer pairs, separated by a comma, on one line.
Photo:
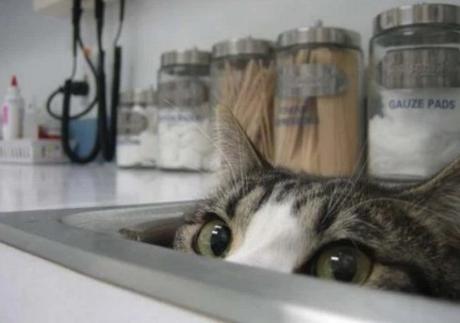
{"points": [[12, 112]]}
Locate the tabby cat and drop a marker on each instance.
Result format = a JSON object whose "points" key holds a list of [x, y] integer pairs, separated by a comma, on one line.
{"points": [[344, 229]]}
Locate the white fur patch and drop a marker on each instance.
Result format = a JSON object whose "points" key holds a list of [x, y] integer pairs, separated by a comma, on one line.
{"points": [[273, 240]]}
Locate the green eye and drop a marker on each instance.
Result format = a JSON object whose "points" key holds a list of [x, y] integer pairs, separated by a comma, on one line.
{"points": [[343, 263], [214, 239]]}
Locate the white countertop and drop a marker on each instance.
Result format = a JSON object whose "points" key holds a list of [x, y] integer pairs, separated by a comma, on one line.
{"points": [[26, 278], [27, 187]]}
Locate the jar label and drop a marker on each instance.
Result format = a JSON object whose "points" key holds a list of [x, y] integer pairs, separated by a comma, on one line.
{"points": [[420, 68], [128, 140], [415, 133], [306, 80], [297, 114], [178, 115], [131, 122]]}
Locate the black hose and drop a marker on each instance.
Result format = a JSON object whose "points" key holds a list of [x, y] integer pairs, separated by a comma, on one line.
{"points": [[50, 99], [120, 25], [60, 90], [66, 118], [115, 102], [102, 106], [106, 132]]}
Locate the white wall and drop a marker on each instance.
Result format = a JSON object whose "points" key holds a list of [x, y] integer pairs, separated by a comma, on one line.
{"points": [[37, 48]]}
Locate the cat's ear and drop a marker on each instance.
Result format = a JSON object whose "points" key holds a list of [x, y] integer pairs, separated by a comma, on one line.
{"points": [[439, 201], [237, 153]]}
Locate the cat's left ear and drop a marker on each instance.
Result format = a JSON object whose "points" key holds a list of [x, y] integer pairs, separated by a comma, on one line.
{"points": [[440, 196], [237, 153]]}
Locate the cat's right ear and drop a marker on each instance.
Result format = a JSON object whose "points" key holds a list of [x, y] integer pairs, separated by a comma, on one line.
{"points": [[440, 197], [237, 153]]}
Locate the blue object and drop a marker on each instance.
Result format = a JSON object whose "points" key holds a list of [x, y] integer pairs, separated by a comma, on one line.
{"points": [[83, 132]]}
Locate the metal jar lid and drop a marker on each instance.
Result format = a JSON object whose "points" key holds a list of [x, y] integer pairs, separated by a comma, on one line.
{"points": [[319, 35], [240, 46], [423, 13], [187, 57]]}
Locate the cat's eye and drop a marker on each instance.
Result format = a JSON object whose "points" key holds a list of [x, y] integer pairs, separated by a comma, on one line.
{"points": [[344, 263], [213, 240]]}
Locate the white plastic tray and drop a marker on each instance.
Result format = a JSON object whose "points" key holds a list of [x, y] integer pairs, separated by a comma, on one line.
{"points": [[31, 151]]}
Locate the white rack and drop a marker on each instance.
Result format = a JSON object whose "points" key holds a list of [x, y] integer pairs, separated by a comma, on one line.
{"points": [[32, 151]]}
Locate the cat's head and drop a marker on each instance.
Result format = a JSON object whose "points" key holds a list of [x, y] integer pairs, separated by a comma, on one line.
{"points": [[344, 229]]}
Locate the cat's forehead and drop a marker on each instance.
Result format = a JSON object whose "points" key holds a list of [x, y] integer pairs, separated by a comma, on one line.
{"points": [[283, 184], [246, 195]]}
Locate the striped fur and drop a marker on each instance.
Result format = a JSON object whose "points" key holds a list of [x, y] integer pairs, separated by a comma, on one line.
{"points": [[280, 219]]}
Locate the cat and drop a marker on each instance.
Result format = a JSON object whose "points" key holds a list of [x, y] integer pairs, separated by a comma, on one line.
{"points": [[344, 229]]}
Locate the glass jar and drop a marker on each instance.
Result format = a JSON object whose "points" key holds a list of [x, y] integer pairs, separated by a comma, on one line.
{"points": [[414, 92], [184, 124], [243, 80], [131, 123], [318, 102], [148, 137]]}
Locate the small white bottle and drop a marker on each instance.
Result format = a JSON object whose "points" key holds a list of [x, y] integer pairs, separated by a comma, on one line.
{"points": [[12, 112]]}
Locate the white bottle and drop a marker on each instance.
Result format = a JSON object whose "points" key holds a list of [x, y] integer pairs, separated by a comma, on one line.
{"points": [[12, 112]]}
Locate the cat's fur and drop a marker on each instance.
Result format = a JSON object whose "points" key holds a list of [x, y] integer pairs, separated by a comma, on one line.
{"points": [[279, 220]]}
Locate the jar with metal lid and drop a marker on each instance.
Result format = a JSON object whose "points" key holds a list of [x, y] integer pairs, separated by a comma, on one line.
{"points": [[131, 123], [243, 80], [148, 137], [414, 92], [318, 102], [184, 124]]}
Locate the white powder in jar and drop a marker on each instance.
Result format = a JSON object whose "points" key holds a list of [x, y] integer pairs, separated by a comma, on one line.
{"points": [[416, 134], [148, 138], [184, 139], [128, 152]]}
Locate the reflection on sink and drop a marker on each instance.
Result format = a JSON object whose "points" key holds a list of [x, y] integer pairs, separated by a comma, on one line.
{"points": [[139, 224]]}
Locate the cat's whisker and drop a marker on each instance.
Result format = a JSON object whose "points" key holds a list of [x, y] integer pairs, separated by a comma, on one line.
{"points": [[355, 177]]}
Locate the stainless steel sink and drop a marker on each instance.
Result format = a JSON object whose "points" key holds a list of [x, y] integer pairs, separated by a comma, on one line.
{"points": [[152, 225], [99, 242]]}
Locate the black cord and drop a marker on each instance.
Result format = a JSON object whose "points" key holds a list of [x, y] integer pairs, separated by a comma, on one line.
{"points": [[116, 80], [120, 24], [105, 140], [99, 8], [76, 17], [60, 90], [115, 100], [87, 59], [74, 67], [50, 99], [66, 118], [73, 117]]}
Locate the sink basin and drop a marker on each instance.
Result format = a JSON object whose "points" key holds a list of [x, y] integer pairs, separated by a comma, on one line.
{"points": [[130, 247], [150, 225]]}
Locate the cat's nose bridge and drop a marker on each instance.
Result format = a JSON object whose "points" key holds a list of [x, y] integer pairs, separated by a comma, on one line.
{"points": [[270, 257], [274, 240]]}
